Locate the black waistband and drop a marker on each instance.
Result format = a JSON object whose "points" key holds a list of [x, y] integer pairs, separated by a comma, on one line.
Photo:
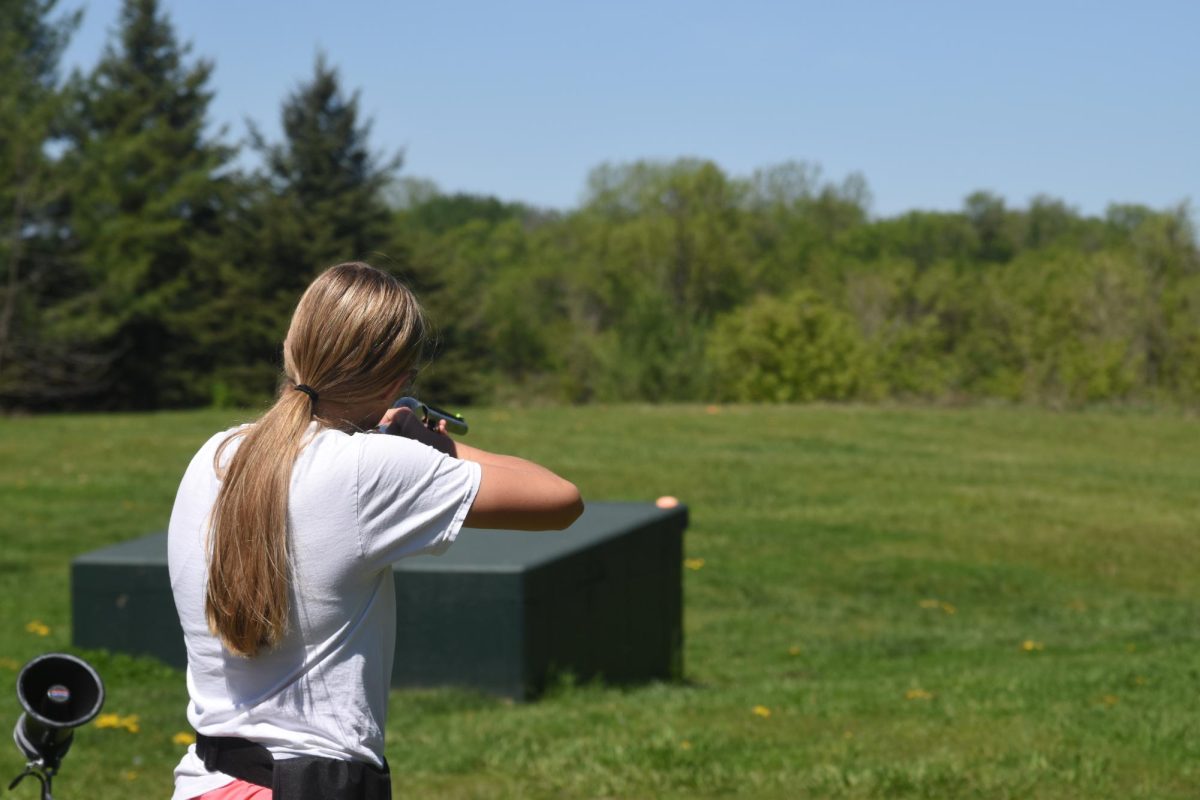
{"points": [[302, 778]]}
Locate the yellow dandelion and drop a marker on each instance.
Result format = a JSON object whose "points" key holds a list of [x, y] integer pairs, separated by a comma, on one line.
{"points": [[694, 563], [761, 711], [10, 663], [130, 774], [1030, 646], [918, 694], [1131, 648], [685, 745], [184, 738], [37, 627], [794, 650], [130, 723], [1110, 700], [1139, 680], [933, 602]]}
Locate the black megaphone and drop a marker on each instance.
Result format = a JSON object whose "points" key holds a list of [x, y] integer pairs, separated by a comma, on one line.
{"points": [[59, 692]]}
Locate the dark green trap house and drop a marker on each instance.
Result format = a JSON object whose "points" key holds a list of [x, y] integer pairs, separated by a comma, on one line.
{"points": [[500, 611]]}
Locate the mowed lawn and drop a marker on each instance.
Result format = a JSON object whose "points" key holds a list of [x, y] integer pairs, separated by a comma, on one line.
{"points": [[880, 602]]}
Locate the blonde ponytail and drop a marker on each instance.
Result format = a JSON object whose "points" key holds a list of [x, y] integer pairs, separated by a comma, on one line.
{"points": [[247, 595], [355, 332]]}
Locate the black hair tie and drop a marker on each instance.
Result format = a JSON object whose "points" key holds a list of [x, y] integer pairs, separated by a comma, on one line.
{"points": [[308, 390]]}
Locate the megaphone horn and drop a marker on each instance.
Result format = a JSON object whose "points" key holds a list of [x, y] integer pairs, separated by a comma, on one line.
{"points": [[59, 692]]}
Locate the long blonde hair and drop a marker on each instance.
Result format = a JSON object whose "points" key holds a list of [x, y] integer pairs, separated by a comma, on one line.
{"points": [[355, 332]]}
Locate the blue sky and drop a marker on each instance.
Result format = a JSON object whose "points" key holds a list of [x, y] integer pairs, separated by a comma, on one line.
{"points": [[1091, 102]]}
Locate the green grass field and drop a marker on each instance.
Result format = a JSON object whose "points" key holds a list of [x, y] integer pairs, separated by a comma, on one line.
{"points": [[880, 602]]}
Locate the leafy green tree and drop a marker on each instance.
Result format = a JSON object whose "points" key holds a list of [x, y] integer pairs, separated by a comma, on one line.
{"points": [[147, 208], [1178, 362], [680, 223], [469, 259], [797, 224], [656, 354], [1163, 250], [900, 326], [662, 251], [993, 225], [36, 365], [1048, 221], [916, 321], [1089, 328], [462, 277], [923, 238], [439, 213]]}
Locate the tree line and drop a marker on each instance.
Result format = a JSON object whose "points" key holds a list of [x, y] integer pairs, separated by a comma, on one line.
{"points": [[144, 268]]}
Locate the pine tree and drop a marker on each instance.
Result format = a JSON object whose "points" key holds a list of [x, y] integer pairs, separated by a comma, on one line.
{"points": [[326, 186], [148, 208], [318, 201], [36, 367]]}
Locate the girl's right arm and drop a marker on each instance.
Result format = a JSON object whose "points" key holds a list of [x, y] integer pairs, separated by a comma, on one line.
{"points": [[516, 494]]}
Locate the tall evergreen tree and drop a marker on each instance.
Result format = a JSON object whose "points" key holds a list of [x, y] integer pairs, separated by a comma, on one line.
{"points": [[325, 187], [319, 199], [147, 208], [35, 366]]}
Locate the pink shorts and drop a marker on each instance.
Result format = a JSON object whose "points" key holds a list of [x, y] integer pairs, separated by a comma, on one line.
{"points": [[238, 790]]}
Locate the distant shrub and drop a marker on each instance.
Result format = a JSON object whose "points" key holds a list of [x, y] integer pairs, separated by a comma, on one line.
{"points": [[783, 350]]}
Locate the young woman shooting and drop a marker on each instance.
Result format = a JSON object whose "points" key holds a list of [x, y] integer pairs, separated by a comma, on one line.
{"points": [[281, 543]]}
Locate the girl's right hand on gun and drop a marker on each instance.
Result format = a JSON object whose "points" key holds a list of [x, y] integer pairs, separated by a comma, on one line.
{"points": [[403, 422]]}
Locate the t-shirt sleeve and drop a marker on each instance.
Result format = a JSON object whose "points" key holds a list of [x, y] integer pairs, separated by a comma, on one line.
{"points": [[412, 499]]}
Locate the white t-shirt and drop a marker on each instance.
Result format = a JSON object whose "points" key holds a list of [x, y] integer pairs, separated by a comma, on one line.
{"points": [[357, 503]]}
